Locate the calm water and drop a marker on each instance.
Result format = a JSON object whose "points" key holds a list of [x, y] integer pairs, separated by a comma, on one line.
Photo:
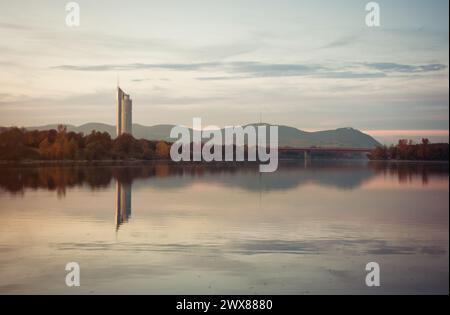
{"points": [[165, 229]]}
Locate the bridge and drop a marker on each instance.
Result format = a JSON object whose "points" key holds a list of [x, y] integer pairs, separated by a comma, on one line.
{"points": [[309, 150]]}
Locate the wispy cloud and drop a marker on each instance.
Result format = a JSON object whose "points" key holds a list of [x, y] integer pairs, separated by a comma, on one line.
{"points": [[13, 26], [138, 66], [251, 69], [344, 41], [404, 68], [353, 75]]}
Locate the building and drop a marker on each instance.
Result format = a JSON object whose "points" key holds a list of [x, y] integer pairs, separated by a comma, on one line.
{"points": [[124, 110]]}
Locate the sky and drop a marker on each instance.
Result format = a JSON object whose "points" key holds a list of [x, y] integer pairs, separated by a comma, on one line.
{"points": [[313, 65]]}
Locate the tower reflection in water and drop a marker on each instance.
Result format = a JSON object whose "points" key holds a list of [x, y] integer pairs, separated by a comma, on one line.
{"points": [[123, 203]]}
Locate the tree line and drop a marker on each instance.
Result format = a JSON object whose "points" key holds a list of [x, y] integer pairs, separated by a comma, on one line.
{"points": [[408, 150], [21, 144], [59, 144]]}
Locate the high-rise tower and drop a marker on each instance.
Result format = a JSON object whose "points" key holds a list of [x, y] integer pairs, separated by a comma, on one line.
{"points": [[124, 109]]}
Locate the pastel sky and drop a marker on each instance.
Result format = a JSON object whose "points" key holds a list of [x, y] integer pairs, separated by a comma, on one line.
{"points": [[309, 64]]}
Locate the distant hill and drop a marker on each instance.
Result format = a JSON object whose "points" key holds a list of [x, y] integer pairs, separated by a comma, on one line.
{"points": [[288, 136]]}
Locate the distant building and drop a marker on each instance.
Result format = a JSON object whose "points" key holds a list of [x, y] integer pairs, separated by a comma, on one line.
{"points": [[124, 109]]}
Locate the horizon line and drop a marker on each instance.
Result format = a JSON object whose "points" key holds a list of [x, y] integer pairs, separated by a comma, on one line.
{"points": [[371, 132]]}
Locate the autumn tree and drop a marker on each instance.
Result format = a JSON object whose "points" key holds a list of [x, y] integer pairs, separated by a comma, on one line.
{"points": [[379, 153], [162, 150], [98, 146]]}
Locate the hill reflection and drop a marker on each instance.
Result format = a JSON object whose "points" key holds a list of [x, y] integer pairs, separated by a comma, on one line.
{"points": [[341, 175]]}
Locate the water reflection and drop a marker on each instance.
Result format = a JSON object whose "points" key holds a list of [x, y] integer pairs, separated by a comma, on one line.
{"points": [[225, 228], [123, 203], [290, 175]]}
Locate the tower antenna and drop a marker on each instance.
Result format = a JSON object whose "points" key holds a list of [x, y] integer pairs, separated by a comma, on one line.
{"points": [[260, 115]]}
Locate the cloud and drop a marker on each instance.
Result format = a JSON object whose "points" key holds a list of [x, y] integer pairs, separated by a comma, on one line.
{"points": [[246, 69], [353, 75], [222, 78], [344, 41], [249, 67], [149, 79], [403, 68], [138, 66], [253, 69], [18, 27]]}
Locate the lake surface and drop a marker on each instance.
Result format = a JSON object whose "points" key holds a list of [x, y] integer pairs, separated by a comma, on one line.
{"points": [[222, 229]]}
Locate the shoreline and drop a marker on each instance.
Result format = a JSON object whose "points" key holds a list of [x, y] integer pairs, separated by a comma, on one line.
{"points": [[168, 161]]}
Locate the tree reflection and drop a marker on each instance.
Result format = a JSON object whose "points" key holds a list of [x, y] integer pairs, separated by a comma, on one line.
{"points": [[342, 175]]}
